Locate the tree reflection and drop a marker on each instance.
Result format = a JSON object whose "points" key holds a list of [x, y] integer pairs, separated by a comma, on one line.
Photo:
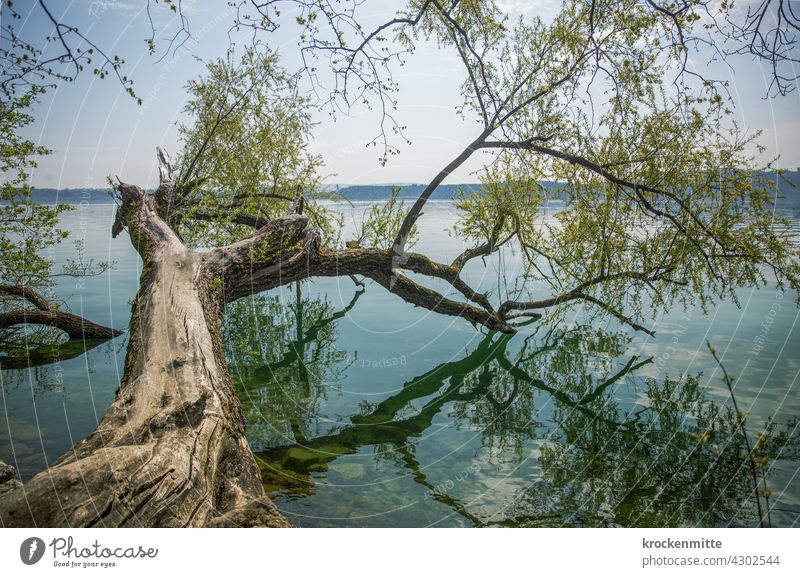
{"points": [[680, 460], [284, 360], [613, 447]]}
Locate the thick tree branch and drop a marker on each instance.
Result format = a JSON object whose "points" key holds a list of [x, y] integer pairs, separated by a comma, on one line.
{"points": [[423, 265], [416, 210], [250, 220], [284, 251], [261, 258], [29, 294], [139, 213], [75, 326], [48, 314], [418, 295]]}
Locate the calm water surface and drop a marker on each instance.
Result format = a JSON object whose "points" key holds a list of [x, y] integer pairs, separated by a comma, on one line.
{"points": [[366, 411]]}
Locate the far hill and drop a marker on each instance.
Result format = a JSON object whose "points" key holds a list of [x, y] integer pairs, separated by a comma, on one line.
{"points": [[383, 191], [72, 196], [788, 188]]}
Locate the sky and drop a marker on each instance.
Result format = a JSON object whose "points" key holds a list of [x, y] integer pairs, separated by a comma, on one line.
{"points": [[95, 130]]}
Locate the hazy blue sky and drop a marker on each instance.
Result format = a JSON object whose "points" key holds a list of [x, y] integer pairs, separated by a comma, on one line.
{"points": [[95, 130]]}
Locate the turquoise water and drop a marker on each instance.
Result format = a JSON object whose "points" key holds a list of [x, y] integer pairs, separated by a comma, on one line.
{"points": [[366, 411]]}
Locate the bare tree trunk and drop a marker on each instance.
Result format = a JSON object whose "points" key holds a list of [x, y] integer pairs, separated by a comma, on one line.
{"points": [[171, 450]]}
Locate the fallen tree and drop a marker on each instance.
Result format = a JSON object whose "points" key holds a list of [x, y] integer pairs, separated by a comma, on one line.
{"points": [[662, 205]]}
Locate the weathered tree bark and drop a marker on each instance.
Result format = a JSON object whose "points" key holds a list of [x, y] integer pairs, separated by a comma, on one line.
{"points": [[171, 450]]}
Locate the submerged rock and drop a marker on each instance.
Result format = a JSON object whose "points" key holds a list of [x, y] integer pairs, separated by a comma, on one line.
{"points": [[8, 479]]}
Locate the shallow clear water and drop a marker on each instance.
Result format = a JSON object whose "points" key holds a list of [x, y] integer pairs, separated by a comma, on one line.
{"points": [[366, 411]]}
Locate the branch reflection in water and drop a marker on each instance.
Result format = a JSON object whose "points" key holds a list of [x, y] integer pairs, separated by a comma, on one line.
{"points": [[570, 431]]}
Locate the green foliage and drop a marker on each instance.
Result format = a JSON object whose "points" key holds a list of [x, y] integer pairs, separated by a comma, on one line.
{"points": [[381, 222], [665, 202], [507, 203], [26, 228], [246, 150]]}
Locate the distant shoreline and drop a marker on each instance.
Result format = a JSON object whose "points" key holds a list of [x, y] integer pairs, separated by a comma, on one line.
{"points": [[370, 192], [365, 192]]}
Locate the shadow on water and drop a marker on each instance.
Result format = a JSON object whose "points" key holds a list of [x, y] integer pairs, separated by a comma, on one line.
{"points": [[13, 357], [612, 448]]}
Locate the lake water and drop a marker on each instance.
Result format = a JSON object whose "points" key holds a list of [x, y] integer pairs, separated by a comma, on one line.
{"points": [[366, 411]]}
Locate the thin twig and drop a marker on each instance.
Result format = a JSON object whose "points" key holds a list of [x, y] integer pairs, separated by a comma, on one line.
{"points": [[741, 420]]}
